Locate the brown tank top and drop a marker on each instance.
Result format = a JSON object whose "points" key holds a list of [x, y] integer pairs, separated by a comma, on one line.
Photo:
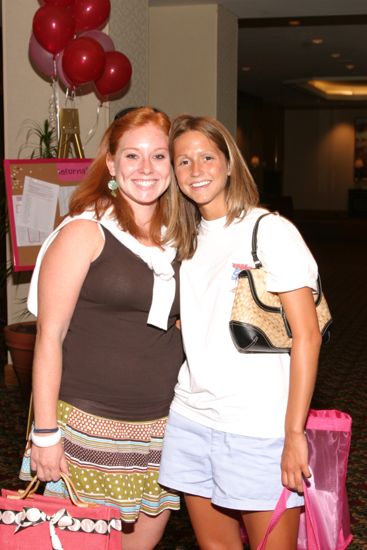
{"points": [[114, 364]]}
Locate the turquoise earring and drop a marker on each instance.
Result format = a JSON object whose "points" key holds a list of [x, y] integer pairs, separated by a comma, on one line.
{"points": [[113, 186]]}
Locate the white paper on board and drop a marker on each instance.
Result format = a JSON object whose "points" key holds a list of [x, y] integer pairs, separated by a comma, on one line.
{"points": [[25, 236], [64, 198], [38, 208]]}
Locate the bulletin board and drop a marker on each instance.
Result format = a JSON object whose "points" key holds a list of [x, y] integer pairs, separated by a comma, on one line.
{"points": [[38, 193]]}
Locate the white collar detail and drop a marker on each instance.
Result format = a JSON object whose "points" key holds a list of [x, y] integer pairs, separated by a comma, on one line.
{"points": [[158, 260]]}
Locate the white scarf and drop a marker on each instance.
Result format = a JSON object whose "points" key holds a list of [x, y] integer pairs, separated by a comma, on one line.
{"points": [[158, 260]]}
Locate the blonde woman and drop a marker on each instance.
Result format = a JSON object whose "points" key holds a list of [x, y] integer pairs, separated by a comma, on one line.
{"points": [[235, 433]]}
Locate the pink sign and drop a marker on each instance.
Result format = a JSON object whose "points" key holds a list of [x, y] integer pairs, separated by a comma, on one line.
{"points": [[72, 171]]}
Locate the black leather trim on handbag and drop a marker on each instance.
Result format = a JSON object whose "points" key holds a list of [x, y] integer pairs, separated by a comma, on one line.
{"points": [[258, 323]]}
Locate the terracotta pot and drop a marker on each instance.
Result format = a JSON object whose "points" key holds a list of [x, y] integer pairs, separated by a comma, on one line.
{"points": [[20, 340]]}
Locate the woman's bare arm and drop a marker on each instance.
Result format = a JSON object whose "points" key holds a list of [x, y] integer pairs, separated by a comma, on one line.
{"points": [[62, 273], [301, 314]]}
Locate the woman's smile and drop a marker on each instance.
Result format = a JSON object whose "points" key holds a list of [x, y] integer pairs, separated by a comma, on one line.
{"points": [[200, 183]]}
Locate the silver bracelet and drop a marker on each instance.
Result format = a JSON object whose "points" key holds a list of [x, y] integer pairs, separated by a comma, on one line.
{"points": [[46, 440]]}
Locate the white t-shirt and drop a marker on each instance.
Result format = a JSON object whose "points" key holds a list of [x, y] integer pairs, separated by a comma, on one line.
{"points": [[218, 386]]}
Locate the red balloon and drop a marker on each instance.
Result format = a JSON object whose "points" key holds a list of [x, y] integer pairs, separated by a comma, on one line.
{"points": [[83, 60], [53, 27], [116, 75], [61, 3], [91, 14]]}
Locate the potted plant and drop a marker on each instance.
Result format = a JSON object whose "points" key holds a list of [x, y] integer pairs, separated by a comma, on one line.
{"points": [[41, 141], [20, 340]]}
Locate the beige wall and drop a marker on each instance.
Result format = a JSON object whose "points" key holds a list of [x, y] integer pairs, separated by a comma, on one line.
{"points": [[227, 69], [193, 61], [182, 59], [128, 28], [319, 157]]}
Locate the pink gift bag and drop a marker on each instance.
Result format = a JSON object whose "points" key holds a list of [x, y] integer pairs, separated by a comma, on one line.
{"points": [[29, 521], [325, 521]]}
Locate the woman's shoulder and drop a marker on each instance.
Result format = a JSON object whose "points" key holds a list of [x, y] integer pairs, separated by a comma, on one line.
{"points": [[250, 217], [270, 220], [275, 234], [77, 230], [253, 213], [281, 247], [74, 241], [78, 237], [79, 225]]}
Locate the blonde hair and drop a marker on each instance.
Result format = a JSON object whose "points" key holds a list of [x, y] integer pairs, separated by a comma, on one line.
{"points": [[94, 193], [241, 190]]}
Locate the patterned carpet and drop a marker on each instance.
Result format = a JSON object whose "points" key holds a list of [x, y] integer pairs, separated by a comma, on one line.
{"points": [[340, 249]]}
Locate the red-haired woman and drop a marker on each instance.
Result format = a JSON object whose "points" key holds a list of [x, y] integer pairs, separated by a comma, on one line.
{"points": [[108, 351]]}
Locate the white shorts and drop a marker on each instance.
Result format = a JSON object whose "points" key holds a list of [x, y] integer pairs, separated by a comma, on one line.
{"points": [[234, 471]]}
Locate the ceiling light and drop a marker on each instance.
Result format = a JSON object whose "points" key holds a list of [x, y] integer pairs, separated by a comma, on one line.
{"points": [[350, 88], [335, 55], [255, 161], [246, 68], [357, 89], [317, 41], [350, 66], [294, 22]]}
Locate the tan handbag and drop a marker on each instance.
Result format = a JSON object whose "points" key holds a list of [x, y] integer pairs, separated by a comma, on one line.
{"points": [[258, 323]]}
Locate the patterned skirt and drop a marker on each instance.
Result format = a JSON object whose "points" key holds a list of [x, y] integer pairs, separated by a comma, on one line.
{"points": [[111, 462]]}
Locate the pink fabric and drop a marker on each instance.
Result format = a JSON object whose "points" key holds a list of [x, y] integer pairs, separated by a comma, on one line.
{"points": [[94, 528], [325, 521], [329, 420]]}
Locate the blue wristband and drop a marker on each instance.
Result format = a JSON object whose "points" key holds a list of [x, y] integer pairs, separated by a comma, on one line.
{"points": [[45, 430]]}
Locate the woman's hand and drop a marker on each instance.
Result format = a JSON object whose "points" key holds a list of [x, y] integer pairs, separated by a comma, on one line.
{"points": [[48, 462], [294, 463]]}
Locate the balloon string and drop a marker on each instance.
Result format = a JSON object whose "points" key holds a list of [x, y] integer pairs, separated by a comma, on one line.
{"points": [[55, 108], [70, 96], [93, 130]]}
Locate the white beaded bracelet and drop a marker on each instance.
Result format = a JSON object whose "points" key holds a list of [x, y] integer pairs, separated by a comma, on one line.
{"points": [[46, 440]]}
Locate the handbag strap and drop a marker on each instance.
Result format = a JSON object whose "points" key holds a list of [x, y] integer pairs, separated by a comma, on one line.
{"points": [[258, 263], [281, 506], [73, 494], [254, 239]]}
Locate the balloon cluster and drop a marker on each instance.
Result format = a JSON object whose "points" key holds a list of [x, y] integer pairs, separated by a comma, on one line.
{"points": [[67, 43]]}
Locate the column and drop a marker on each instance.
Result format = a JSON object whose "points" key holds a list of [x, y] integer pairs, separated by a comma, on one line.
{"points": [[193, 61]]}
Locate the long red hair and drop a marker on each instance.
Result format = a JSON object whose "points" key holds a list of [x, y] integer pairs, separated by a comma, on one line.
{"points": [[93, 192]]}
